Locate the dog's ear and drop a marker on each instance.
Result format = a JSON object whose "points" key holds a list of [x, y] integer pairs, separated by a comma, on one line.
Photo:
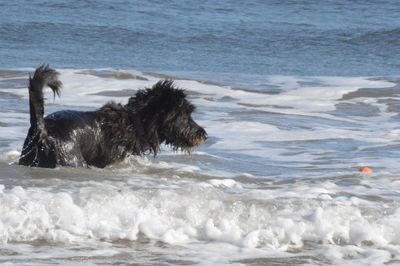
{"points": [[181, 102]]}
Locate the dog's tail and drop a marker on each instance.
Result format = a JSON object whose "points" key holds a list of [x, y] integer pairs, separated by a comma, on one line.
{"points": [[43, 76], [37, 146]]}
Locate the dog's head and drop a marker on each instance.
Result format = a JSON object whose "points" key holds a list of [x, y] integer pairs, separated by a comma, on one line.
{"points": [[166, 115]]}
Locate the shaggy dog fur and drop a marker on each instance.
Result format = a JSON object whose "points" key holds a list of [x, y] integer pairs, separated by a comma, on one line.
{"points": [[99, 138]]}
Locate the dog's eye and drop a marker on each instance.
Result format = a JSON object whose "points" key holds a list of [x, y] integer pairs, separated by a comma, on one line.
{"points": [[184, 117]]}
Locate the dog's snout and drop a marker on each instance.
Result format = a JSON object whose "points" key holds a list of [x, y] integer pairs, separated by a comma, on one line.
{"points": [[202, 133]]}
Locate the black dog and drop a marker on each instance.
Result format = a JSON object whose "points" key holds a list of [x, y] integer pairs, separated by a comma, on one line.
{"points": [[99, 138]]}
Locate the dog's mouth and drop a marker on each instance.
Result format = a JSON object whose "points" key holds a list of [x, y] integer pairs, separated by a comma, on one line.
{"points": [[188, 143], [195, 143], [198, 141]]}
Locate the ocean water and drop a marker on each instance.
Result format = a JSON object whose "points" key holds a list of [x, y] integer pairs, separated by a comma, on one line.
{"points": [[314, 38], [295, 97]]}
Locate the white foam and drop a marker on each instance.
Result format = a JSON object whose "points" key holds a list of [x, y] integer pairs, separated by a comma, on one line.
{"points": [[230, 183], [194, 214]]}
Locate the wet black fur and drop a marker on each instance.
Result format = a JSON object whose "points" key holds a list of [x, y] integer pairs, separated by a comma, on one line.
{"points": [[99, 138]]}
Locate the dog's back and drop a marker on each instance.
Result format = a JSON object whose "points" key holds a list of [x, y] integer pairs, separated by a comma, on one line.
{"points": [[76, 137]]}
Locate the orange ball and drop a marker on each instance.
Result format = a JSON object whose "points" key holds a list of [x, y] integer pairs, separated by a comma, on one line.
{"points": [[365, 170]]}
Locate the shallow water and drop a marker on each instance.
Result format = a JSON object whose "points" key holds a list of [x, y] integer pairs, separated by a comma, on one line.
{"points": [[277, 182]]}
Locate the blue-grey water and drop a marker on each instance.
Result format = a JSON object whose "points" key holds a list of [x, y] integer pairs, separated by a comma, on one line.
{"points": [[296, 96], [342, 38]]}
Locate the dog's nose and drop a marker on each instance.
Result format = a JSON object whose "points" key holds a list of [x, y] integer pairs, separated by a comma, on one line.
{"points": [[201, 132]]}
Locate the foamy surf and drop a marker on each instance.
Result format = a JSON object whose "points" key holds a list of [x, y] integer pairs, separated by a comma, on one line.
{"points": [[187, 212], [276, 182]]}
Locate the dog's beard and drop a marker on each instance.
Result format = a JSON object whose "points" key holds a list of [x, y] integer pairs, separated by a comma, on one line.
{"points": [[186, 141]]}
